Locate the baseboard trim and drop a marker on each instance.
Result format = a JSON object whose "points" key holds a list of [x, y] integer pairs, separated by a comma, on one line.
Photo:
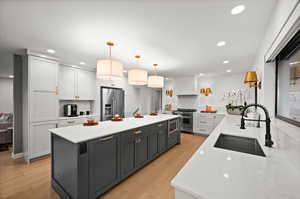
{"points": [[18, 155]]}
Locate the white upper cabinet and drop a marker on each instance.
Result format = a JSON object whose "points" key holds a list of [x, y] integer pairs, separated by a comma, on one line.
{"points": [[67, 78], [43, 98], [86, 85], [43, 74], [76, 84]]}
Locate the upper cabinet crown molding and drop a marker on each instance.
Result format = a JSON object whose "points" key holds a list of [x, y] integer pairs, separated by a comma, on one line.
{"points": [[43, 56]]}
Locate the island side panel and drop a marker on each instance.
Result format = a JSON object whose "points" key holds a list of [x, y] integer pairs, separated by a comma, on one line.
{"points": [[69, 168]]}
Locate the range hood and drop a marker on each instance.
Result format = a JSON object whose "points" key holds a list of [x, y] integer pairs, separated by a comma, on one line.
{"points": [[186, 86]]}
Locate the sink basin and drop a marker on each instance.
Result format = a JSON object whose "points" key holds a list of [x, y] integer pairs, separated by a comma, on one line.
{"points": [[239, 144]]}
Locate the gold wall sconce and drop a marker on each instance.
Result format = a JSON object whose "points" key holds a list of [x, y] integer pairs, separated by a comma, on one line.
{"points": [[205, 91], [169, 93], [253, 82]]}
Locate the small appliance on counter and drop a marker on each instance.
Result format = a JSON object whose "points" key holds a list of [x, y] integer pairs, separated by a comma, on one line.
{"points": [[87, 112], [81, 113], [70, 110]]}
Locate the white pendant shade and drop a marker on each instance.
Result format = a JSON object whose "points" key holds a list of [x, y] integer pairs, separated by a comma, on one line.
{"points": [[155, 81], [109, 69], [137, 77]]}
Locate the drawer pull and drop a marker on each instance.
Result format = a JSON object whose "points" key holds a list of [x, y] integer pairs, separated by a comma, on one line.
{"points": [[137, 132], [71, 122], [107, 138], [160, 125]]}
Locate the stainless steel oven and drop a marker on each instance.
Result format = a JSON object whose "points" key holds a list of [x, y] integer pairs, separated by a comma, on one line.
{"points": [[186, 119]]}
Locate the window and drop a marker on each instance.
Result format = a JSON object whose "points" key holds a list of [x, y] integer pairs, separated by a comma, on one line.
{"points": [[288, 82]]}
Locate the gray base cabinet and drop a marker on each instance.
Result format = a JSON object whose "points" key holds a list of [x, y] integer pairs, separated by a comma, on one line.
{"points": [[89, 169], [103, 162]]}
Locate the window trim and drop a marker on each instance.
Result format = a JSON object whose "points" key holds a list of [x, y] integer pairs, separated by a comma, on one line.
{"points": [[292, 46]]}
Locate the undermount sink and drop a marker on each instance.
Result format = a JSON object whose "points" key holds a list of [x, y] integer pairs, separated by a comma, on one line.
{"points": [[239, 144]]}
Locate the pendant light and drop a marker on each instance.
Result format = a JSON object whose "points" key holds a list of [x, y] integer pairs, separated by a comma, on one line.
{"points": [[109, 69], [155, 81], [137, 76]]}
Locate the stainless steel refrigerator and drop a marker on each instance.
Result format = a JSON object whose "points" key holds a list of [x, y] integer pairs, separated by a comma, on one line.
{"points": [[112, 102]]}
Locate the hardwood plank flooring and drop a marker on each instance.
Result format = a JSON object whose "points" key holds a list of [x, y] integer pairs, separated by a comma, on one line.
{"points": [[21, 180]]}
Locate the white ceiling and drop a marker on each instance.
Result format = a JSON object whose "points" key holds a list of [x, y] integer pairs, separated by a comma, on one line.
{"points": [[179, 35]]}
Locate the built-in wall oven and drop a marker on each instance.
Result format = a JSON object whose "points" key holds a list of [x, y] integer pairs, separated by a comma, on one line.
{"points": [[186, 119]]}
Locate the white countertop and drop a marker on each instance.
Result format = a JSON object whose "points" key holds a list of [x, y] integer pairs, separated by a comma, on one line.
{"points": [[214, 173], [80, 133]]}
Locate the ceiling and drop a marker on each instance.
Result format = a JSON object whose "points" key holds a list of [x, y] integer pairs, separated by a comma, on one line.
{"points": [[178, 35]]}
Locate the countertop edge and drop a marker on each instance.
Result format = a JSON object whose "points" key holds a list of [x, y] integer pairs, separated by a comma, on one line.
{"points": [[53, 130]]}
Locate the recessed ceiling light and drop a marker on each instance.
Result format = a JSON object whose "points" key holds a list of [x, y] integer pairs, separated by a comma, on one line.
{"points": [[51, 51], [125, 71], [237, 9], [228, 71], [11, 76], [166, 78], [221, 43], [82, 63], [225, 62], [226, 175]]}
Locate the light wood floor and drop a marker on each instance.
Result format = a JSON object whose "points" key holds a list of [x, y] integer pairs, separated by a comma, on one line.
{"points": [[21, 180]]}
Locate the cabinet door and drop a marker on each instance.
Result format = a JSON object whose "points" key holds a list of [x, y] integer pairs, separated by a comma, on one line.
{"points": [[103, 161], [127, 153], [43, 106], [43, 74], [67, 83], [153, 141], [39, 143], [86, 85], [162, 136], [173, 138], [141, 147], [43, 97]]}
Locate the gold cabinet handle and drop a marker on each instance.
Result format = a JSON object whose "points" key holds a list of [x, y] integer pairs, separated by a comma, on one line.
{"points": [[137, 132], [107, 138], [56, 90], [71, 122]]}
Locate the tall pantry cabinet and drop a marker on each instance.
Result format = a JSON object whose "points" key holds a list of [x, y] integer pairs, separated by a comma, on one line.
{"points": [[40, 104]]}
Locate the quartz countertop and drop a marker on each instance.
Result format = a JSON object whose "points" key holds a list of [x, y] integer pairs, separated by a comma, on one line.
{"points": [[80, 133], [214, 173]]}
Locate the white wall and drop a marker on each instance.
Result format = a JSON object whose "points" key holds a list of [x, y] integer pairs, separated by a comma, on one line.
{"points": [[219, 85], [289, 138], [267, 70], [6, 99]]}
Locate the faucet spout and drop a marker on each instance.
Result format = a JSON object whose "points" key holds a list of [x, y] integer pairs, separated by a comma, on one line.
{"points": [[268, 137]]}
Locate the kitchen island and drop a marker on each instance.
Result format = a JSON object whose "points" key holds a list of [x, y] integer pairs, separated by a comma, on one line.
{"points": [[216, 173], [88, 161]]}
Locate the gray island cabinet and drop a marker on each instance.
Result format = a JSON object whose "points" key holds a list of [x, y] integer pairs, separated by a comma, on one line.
{"points": [[87, 169]]}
